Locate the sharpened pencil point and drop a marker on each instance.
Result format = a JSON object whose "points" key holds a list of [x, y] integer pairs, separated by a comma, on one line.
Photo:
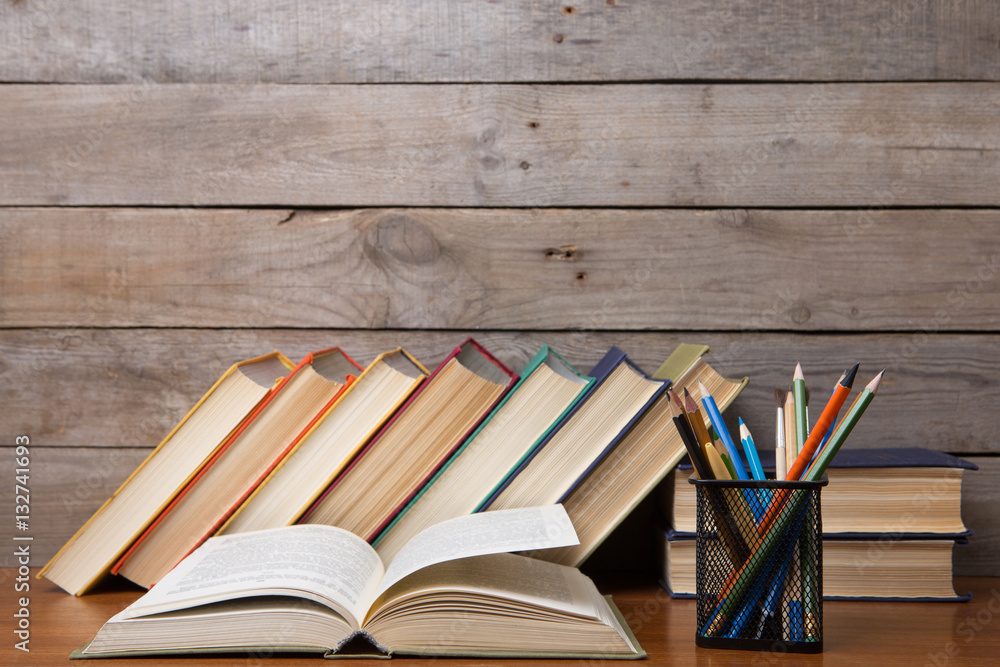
{"points": [[873, 385], [848, 380], [675, 399], [798, 375]]}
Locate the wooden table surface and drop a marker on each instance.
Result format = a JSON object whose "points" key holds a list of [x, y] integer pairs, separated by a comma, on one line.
{"points": [[855, 633]]}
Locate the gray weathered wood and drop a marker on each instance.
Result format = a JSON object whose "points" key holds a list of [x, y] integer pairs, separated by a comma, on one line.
{"points": [[933, 270], [382, 41], [68, 485], [128, 387], [838, 145], [980, 500]]}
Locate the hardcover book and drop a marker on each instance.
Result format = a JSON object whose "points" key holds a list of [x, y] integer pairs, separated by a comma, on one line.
{"points": [[889, 490], [548, 388], [246, 458], [415, 443], [647, 453], [330, 445], [620, 395], [453, 590], [89, 555], [886, 567]]}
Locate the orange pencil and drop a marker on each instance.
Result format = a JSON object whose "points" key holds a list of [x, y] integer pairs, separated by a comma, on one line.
{"points": [[819, 430]]}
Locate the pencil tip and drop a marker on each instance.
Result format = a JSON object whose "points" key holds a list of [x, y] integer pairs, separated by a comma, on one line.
{"points": [[848, 380], [741, 420], [799, 375], [873, 385], [674, 414]]}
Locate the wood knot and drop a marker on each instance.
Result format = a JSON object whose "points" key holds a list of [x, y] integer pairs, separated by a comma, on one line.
{"points": [[404, 239], [734, 217], [566, 253], [800, 314]]}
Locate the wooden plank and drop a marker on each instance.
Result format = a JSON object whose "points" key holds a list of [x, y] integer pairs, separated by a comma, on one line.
{"points": [[383, 41], [69, 484], [980, 500], [845, 145], [128, 387], [502, 269]]}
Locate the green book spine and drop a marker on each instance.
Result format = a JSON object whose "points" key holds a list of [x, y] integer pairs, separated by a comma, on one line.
{"points": [[540, 358]]}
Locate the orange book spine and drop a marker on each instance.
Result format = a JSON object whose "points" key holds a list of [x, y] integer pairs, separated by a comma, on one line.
{"points": [[229, 441]]}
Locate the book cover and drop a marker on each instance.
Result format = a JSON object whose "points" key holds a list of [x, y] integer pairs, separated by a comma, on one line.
{"points": [[467, 344], [670, 536], [308, 360], [280, 358], [611, 360], [540, 357], [640, 461], [390, 411]]}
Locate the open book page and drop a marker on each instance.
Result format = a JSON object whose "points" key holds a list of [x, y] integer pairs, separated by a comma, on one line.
{"points": [[267, 621], [498, 604], [503, 576], [321, 563], [520, 529]]}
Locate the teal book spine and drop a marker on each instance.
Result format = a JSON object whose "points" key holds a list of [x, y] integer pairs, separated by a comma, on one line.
{"points": [[541, 357]]}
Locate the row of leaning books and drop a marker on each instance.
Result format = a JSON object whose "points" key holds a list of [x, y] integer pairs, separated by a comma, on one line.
{"points": [[380, 480], [891, 520]]}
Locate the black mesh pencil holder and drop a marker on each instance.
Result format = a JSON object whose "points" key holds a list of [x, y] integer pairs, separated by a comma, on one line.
{"points": [[759, 565]]}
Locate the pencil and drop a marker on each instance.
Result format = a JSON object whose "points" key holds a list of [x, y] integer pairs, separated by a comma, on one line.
{"points": [[720, 430], [801, 403], [847, 424], [697, 420], [734, 539], [675, 399], [719, 469], [833, 425], [701, 467], [790, 450], [750, 449], [780, 465], [728, 462], [830, 412]]}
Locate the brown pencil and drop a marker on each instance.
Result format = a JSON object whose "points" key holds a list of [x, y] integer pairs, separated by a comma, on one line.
{"points": [[696, 418]]}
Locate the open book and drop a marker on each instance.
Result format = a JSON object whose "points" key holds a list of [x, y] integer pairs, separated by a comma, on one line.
{"points": [[452, 590]]}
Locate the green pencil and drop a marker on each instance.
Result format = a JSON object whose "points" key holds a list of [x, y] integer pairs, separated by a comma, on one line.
{"points": [[801, 407], [844, 429]]}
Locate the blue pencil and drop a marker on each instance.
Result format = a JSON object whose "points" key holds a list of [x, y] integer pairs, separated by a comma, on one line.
{"points": [[720, 430], [751, 451]]}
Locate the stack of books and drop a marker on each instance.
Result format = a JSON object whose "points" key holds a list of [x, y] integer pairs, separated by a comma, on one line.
{"points": [[891, 518], [388, 451]]}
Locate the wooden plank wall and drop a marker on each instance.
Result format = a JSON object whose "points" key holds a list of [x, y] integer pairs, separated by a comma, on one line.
{"points": [[184, 185]]}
